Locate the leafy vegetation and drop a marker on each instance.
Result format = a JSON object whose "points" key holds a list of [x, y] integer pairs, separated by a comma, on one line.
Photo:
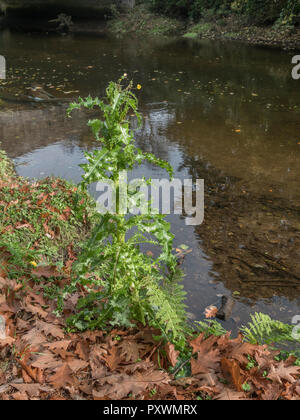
{"points": [[39, 221], [6, 168], [199, 29], [265, 330], [188, 9], [140, 20], [253, 21], [256, 11], [262, 12], [126, 286]]}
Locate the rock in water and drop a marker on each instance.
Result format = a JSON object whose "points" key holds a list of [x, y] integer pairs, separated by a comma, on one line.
{"points": [[226, 309]]}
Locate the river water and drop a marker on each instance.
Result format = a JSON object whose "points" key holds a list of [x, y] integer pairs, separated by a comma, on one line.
{"points": [[223, 112]]}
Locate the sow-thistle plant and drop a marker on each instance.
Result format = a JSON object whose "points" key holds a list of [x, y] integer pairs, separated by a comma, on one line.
{"points": [[125, 286]]}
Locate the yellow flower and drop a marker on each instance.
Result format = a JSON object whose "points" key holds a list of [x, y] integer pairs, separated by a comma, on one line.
{"points": [[33, 263], [139, 87]]}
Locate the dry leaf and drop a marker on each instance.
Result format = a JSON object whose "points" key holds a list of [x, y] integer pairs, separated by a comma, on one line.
{"points": [[34, 337], [207, 357], [172, 354], [76, 365], [82, 350], [282, 372], [120, 386], [20, 396], [33, 390], [46, 271], [113, 358], [62, 377], [232, 371], [36, 310], [59, 345], [229, 395], [241, 351], [129, 350], [211, 312], [46, 361], [50, 329]]}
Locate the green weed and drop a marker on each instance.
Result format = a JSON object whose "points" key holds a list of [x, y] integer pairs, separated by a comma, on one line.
{"points": [[130, 287]]}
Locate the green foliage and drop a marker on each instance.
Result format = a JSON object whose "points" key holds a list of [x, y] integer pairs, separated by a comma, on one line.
{"points": [[264, 330], [6, 167], [39, 221], [261, 330], [125, 286], [140, 20], [246, 387], [284, 12], [199, 29], [284, 355], [210, 327], [194, 9], [268, 11], [289, 14]]}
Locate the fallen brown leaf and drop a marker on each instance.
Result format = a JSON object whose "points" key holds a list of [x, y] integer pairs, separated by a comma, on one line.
{"points": [[282, 372], [211, 312], [62, 377], [231, 370], [172, 354], [50, 329]]}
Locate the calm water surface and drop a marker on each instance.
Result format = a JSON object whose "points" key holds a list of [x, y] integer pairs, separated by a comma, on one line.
{"points": [[220, 111]]}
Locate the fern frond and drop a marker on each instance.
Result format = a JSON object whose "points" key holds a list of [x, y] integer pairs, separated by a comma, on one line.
{"points": [[167, 307], [264, 330], [210, 327]]}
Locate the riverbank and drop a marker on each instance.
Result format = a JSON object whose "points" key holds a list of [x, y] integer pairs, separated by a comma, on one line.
{"points": [[41, 229], [231, 28], [140, 21]]}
